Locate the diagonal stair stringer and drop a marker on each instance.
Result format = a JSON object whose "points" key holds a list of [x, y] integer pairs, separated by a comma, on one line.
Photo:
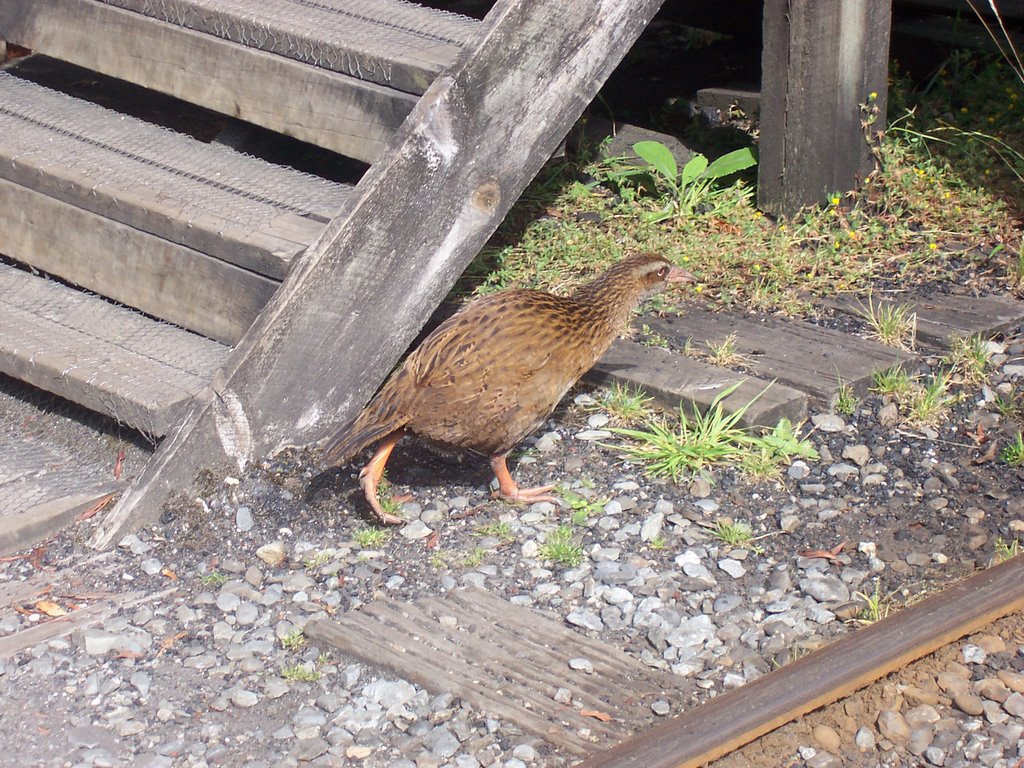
{"points": [[355, 301]]}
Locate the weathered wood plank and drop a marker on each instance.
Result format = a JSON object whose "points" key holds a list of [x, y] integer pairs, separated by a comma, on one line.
{"points": [[821, 60], [943, 317], [674, 381], [806, 357], [331, 110], [167, 280], [205, 196], [390, 42], [738, 717], [475, 139], [137, 370]]}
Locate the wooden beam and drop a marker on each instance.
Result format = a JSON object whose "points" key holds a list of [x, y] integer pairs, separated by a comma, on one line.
{"points": [[325, 108], [353, 303], [821, 61], [739, 716]]}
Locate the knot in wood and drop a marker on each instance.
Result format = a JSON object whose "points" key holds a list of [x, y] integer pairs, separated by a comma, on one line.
{"points": [[487, 196]]}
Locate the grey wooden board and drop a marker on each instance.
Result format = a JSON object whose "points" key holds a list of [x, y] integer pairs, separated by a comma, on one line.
{"points": [[389, 42], [208, 197], [42, 489], [804, 356], [942, 317], [505, 660], [357, 298], [167, 280], [675, 380], [331, 110], [138, 370], [820, 61]]}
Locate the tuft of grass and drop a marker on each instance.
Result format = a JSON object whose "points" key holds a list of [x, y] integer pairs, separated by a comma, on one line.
{"points": [[928, 404], [293, 640], [387, 498], [735, 534], [705, 439], [968, 358], [759, 465], [371, 537], [876, 607], [724, 353], [320, 558], [651, 338], [846, 401], [500, 530], [474, 557], [626, 404], [1008, 407], [894, 325], [1005, 550], [658, 543], [894, 382], [300, 672], [213, 579], [1013, 453], [561, 547]]}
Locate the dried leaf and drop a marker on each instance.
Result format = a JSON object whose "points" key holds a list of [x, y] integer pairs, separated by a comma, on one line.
{"points": [[604, 717], [168, 573], [434, 540], [91, 511], [827, 554], [119, 464], [989, 455], [51, 608]]}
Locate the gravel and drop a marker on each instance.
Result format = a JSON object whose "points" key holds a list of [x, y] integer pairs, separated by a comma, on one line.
{"points": [[209, 666]]}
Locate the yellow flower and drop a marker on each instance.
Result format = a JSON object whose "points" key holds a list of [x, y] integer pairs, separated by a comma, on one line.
{"points": [[834, 199], [873, 95], [933, 246]]}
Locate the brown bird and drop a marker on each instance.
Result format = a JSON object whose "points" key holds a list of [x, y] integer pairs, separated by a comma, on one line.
{"points": [[494, 371]]}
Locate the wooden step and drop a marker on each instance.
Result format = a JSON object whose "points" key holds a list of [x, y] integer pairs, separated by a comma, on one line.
{"points": [[130, 210], [341, 74], [116, 361]]}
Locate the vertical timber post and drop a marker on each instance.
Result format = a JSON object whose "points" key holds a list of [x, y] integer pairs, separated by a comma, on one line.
{"points": [[821, 63]]}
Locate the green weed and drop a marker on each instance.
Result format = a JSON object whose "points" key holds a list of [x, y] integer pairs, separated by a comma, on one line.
{"points": [[894, 325], [300, 671], [371, 537], [1013, 453], [625, 404], [561, 547]]}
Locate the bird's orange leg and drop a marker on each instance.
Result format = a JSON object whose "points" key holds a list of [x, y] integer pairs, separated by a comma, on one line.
{"points": [[370, 475], [509, 490]]}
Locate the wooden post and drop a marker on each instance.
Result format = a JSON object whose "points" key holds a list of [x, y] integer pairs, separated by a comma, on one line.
{"points": [[355, 301], [822, 60]]}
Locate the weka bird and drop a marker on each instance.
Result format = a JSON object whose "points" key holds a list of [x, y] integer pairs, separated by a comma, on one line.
{"points": [[494, 371]]}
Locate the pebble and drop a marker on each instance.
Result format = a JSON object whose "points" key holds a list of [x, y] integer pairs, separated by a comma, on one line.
{"points": [[415, 530], [272, 554], [828, 422], [893, 726], [243, 519]]}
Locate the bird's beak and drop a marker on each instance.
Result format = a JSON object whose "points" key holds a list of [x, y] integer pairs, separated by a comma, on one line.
{"points": [[680, 275]]}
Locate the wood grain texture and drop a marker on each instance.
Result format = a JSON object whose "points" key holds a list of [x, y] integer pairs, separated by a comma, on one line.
{"points": [[803, 356], [358, 297], [739, 716], [325, 108], [821, 60], [170, 281], [675, 381]]}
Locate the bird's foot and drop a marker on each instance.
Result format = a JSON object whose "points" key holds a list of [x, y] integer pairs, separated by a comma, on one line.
{"points": [[370, 492], [517, 495]]}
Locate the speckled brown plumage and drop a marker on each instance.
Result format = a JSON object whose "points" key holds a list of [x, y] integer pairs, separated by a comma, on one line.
{"points": [[494, 371]]}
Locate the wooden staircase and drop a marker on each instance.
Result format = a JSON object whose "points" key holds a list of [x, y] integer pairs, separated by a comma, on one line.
{"points": [[164, 248]]}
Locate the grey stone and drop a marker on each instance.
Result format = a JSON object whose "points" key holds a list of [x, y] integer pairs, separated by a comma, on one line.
{"points": [[651, 528], [581, 665], [732, 567], [151, 566], [583, 617], [828, 422], [441, 742], [243, 519], [246, 614], [858, 454], [309, 749], [244, 699], [825, 588], [893, 726], [1014, 705], [390, 694], [798, 470]]}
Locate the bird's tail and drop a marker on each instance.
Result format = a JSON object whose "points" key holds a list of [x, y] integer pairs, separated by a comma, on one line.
{"points": [[376, 421]]}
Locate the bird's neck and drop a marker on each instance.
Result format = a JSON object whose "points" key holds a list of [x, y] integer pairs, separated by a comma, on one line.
{"points": [[610, 300]]}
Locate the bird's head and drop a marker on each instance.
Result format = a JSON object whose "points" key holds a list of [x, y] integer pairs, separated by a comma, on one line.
{"points": [[650, 272]]}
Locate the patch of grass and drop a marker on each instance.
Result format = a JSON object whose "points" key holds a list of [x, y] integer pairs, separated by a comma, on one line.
{"points": [[658, 543], [560, 547], [300, 672], [386, 498], [735, 534], [929, 403], [474, 557], [759, 465], [626, 404], [581, 506], [500, 530], [371, 537], [1005, 550], [876, 606], [320, 558], [438, 559], [213, 579], [968, 358], [705, 439], [784, 443], [1013, 453], [846, 401], [1009, 407], [724, 353], [293, 640], [651, 338], [894, 325], [893, 382]]}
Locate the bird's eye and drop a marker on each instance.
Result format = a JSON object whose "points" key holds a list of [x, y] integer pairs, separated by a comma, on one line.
{"points": [[663, 271]]}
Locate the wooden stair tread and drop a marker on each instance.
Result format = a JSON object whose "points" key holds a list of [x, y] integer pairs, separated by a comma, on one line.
{"points": [[42, 488], [794, 352], [389, 42], [105, 357], [205, 196]]}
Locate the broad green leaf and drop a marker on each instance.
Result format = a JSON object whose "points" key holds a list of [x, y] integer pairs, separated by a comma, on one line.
{"points": [[693, 169], [731, 162], [659, 157]]}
